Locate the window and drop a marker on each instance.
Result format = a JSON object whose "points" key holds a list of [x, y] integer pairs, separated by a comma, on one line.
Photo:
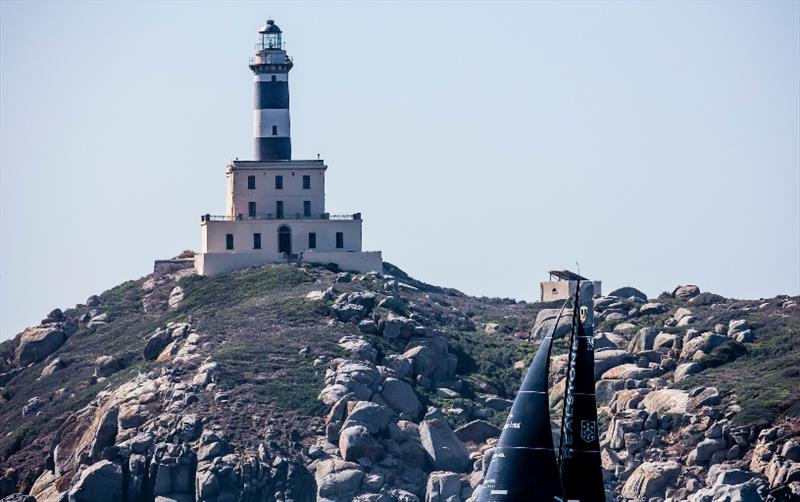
{"points": [[279, 182], [228, 241], [279, 209], [256, 241], [274, 78], [251, 182], [274, 130], [306, 208], [251, 209], [306, 181], [339, 240], [312, 240]]}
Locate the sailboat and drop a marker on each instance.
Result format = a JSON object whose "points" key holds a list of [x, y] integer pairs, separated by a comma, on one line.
{"points": [[525, 465]]}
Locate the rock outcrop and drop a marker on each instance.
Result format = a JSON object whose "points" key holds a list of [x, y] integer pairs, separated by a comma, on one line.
{"points": [[445, 451], [650, 480], [35, 344], [298, 383]]}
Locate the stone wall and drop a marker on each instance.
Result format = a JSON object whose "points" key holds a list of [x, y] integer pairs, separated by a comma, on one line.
{"points": [[161, 267]]}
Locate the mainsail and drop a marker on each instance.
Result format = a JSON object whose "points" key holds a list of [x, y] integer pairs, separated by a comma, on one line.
{"points": [[523, 466], [579, 454]]}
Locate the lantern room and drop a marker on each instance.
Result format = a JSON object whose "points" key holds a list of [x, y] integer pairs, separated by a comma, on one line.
{"points": [[271, 37]]}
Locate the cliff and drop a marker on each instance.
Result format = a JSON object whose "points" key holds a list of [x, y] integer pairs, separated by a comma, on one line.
{"points": [[295, 383]]}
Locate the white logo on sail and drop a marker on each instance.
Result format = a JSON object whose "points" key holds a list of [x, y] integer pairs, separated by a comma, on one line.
{"points": [[588, 428]]}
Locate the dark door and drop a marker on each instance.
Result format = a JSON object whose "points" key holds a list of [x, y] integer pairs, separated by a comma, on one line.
{"points": [[285, 240]]}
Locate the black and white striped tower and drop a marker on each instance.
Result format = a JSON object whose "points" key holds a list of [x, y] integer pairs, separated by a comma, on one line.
{"points": [[271, 66]]}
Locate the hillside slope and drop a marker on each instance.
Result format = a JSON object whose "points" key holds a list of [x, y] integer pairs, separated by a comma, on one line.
{"points": [[300, 383]]}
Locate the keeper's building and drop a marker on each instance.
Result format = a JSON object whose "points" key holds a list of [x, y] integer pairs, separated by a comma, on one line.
{"points": [[275, 207]]}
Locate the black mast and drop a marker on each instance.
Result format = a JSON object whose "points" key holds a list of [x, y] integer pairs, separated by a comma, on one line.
{"points": [[579, 454], [523, 466]]}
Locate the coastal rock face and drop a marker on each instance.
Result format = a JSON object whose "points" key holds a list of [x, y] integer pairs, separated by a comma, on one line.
{"points": [[444, 449], [374, 417], [686, 292], [628, 292], [477, 432], [650, 480], [545, 321], [644, 340], [98, 483], [607, 359], [336, 478], [155, 344], [703, 344], [401, 397], [37, 343], [443, 487], [356, 442], [687, 369], [297, 383], [666, 401]]}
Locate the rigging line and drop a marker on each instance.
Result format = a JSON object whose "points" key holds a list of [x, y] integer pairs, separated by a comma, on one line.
{"points": [[568, 379], [552, 335], [558, 318]]}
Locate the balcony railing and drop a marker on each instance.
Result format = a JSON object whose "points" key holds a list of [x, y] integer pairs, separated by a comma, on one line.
{"points": [[263, 46], [271, 216], [262, 59]]}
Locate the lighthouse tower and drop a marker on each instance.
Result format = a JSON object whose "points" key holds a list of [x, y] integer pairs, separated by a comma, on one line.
{"points": [[275, 205], [270, 67]]}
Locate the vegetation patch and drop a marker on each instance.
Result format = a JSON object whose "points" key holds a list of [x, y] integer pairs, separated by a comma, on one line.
{"points": [[481, 355], [18, 438], [202, 294], [299, 310], [765, 381], [270, 364], [294, 389], [123, 300]]}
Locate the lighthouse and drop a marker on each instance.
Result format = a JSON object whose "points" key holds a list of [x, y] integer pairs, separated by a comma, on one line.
{"points": [[275, 206], [270, 67]]}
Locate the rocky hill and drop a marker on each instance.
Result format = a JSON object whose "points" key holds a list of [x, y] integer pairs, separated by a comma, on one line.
{"points": [[289, 383]]}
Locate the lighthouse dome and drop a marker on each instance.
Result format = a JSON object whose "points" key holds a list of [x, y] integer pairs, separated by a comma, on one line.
{"points": [[270, 27]]}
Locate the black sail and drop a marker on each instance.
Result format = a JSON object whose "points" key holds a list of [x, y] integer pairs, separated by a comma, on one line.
{"points": [[581, 470], [523, 466]]}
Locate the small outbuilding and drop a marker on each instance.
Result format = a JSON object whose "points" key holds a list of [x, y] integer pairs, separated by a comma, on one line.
{"points": [[562, 285]]}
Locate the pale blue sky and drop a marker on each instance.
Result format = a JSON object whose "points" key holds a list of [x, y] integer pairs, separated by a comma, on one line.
{"points": [[656, 143]]}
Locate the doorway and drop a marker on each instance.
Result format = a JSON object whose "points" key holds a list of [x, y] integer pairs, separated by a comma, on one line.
{"points": [[285, 240]]}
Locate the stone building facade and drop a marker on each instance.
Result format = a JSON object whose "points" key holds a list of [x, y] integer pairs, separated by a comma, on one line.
{"points": [[275, 206]]}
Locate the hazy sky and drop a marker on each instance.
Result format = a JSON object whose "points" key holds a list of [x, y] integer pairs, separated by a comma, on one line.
{"points": [[655, 143]]}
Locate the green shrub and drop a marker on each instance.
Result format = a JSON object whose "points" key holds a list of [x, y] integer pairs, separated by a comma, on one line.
{"points": [[491, 358], [273, 371], [202, 294]]}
